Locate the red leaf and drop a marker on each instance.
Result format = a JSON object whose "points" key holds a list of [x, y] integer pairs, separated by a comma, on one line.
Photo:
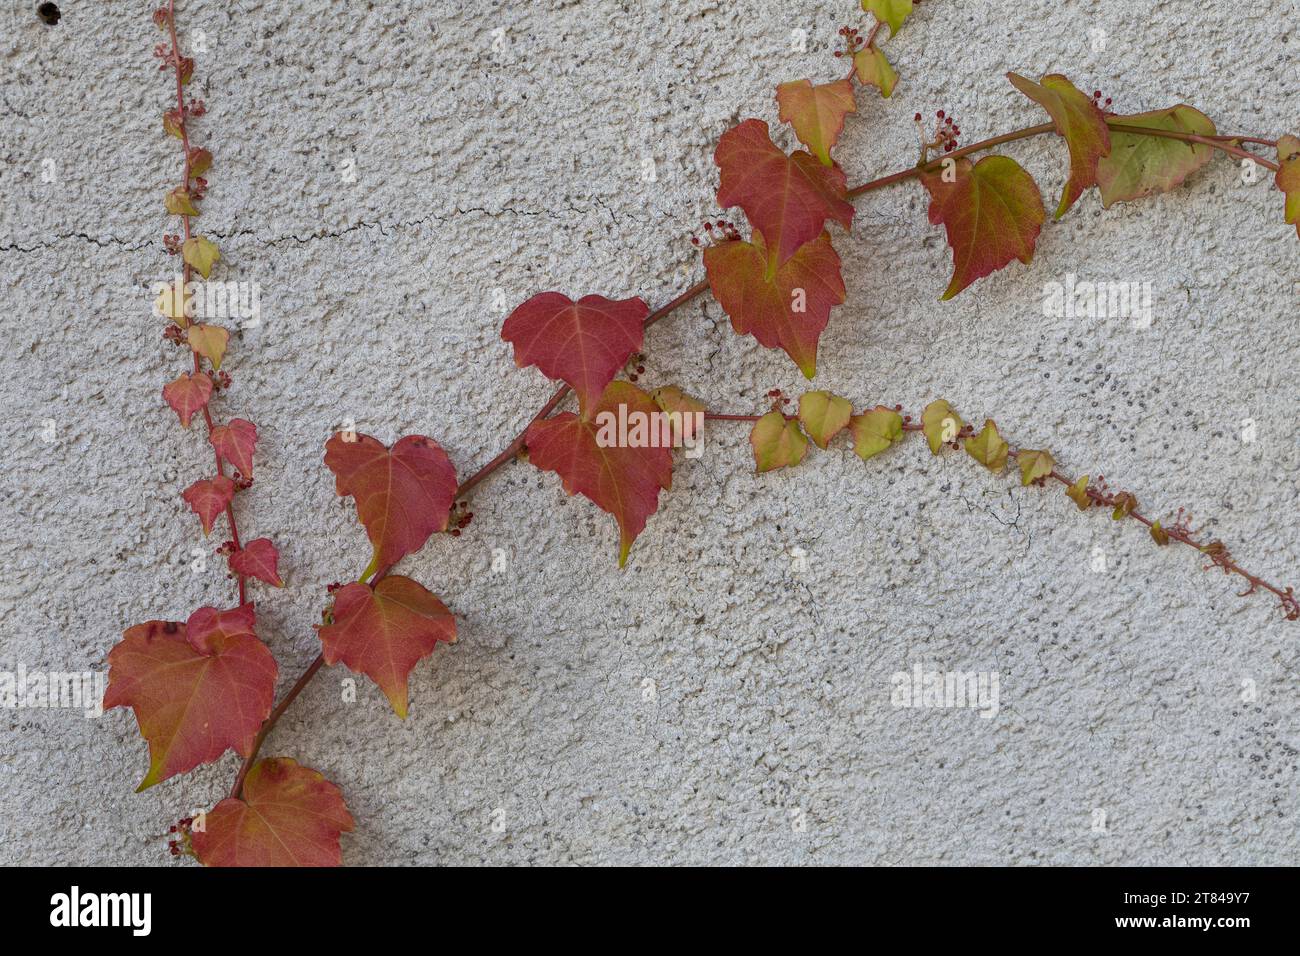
{"points": [[235, 443], [197, 689], [290, 815], [787, 308], [188, 394], [402, 496], [209, 497], [583, 343], [258, 559], [787, 198], [384, 631], [992, 212], [622, 479]]}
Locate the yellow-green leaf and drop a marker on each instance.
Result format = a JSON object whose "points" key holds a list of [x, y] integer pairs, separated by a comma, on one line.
{"points": [[684, 414], [875, 430], [1159, 535], [1125, 505], [201, 254], [172, 124], [1140, 165], [172, 301], [988, 448], [179, 203], [777, 443], [940, 424], [200, 161], [1288, 177], [893, 12], [1078, 493], [1035, 465], [824, 415], [816, 112], [210, 342], [875, 70]]}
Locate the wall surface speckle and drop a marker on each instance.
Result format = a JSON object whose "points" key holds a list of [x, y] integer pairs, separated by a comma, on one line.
{"points": [[382, 169]]}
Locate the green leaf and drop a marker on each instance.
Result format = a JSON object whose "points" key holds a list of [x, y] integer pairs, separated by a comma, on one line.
{"points": [[816, 112], [1125, 505], [777, 443], [875, 70], [1079, 122], [940, 424], [893, 12], [1141, 165], [1035, 465], [1159, 535], [201, 254], [988, 448], [824, 415], [875, 430]]}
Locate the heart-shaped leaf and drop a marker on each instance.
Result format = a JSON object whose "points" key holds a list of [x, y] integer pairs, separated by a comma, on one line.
{"points": [[785, 307], [209, 341], [988, 448], [777, 442], [384, 631], [607, 464], [992, 212], [893, 12], [875, 430], [824, 415], [940, 424], [787, 198], [874, 69], [816, 112], [235, 443], [257, 559], [403, 495], [1035, 465], [583, 343], [289, 815], [197, 689], [188, 395], [208, 497], [200, 254]]}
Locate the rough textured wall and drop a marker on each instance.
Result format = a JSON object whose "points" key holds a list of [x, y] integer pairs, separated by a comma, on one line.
{"points": [[381, 170]]}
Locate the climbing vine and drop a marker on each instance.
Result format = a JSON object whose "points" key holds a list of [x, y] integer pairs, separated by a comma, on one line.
{"points": [[206, 685]]}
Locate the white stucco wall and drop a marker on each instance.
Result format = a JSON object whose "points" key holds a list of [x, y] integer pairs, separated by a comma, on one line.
{"points": [[476, 170]]}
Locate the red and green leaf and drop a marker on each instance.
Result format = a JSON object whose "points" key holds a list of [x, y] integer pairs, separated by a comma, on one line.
{"points": [[582, 343], [288, 815], [257, 559], [816, 112], [786, 307], [402, 496], [235, 442], [188, 395], [1140, 165], [1078, 121], [992, 212], [384, 631], [787, 198], [622, 479], [208, 497], [198, 689]]}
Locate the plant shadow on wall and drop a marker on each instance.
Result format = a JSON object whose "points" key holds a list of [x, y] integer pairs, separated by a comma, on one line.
{"points": [[206, 685]]}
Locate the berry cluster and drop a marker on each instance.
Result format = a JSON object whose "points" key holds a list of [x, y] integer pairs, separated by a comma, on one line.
{"points": [[779, 399], [172, 243], [180, 832], [1103, 106], [175, 335], [713, 233], [220, 380], [945, 133], [853, 41], [635, 366], [460, 518]]}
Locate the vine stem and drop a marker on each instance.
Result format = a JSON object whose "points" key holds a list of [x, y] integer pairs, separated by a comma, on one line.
{"points": [[187, 272], [512, 450]]}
